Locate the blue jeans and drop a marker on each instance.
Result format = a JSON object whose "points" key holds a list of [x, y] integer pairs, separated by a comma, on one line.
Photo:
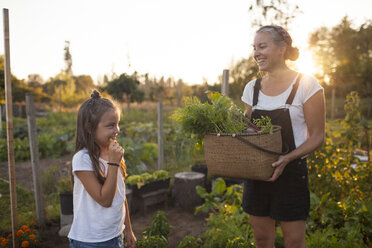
{"points": [[116, 242]]}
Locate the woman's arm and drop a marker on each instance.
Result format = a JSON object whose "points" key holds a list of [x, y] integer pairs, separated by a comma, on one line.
{"points": [[103, 194], [128, 232], [248, 111], [314, 112]]}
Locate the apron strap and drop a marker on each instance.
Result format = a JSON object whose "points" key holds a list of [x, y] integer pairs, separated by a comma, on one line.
{"points": [[257, 87], [294, 90]]}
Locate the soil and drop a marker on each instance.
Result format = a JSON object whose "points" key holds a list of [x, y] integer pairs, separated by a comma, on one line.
{"points": [[182, 222]]}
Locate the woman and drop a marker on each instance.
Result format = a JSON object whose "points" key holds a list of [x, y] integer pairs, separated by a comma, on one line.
{"points": [[296, 103]]}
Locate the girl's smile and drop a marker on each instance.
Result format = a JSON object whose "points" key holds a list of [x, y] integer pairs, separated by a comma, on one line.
{"points": [[107, 128]]}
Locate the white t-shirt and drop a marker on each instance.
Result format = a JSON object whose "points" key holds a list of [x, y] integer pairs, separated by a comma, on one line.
{"points": [[92, 222], [308, 86]]}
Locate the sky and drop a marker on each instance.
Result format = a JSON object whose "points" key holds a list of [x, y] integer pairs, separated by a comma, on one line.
{"points": [[192, 40]]}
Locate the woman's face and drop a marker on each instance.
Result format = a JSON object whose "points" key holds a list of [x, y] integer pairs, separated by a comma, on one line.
{"points": [[267, 54], [108, 127]]}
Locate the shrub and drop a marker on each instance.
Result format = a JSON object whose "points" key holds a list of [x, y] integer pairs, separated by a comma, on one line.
{"points": [[152, 242], [64, 185], [189, 242], [149, 153], [25, 206], [159, 226], [238, 243]]}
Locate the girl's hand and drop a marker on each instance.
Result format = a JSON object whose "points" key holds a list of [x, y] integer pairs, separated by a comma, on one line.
{"points": [[116, 152], [130, 239], [279, 166]]}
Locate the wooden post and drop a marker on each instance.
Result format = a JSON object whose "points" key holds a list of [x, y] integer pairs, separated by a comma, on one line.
{"points": [[225, 83], [35, 163], [369, 100], [179, 93], [60, 96], [160, 136], [9, 129], [333, 103], [366, 128], [1, 121]]}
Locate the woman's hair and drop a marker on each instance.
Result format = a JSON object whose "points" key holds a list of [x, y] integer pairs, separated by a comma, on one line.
{"points": [[89, 115], [281, 37]]}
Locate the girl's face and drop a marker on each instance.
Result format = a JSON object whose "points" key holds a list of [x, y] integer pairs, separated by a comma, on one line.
{"points": [[108, 127], [266, 53]]}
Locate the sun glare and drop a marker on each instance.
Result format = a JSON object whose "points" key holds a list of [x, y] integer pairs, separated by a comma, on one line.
{"points": [[306, 64]]}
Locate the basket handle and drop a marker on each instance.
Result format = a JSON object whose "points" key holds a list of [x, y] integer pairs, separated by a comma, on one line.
{"points": [[261, 148]]}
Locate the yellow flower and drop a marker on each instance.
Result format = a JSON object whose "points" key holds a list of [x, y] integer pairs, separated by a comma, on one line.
{"points": [[25, 244], [24, 227], [28, 231], [20, 233], [32, 237]]}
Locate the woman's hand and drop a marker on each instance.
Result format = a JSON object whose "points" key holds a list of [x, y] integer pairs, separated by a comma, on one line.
{"points": [[116, 152], [130, 239], [279, 166]]}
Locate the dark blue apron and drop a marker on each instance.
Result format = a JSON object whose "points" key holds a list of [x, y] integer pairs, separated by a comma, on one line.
{"points": [[286, 199]]}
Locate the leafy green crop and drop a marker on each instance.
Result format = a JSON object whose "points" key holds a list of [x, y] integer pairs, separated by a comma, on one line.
{"points": [[146, 177], [189, 242], [264, 124], [159, 226], [152, 242], [219, 116]]}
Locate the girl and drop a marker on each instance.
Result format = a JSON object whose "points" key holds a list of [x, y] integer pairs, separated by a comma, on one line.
{"points": [[296, 103], [100, 207]]}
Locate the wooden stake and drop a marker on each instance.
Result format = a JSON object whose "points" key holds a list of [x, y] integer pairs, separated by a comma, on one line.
{"points": [[35, 163], [1, 120], [160, 136], [179, 93], [9, 128], [225, 83], [333, 103]]}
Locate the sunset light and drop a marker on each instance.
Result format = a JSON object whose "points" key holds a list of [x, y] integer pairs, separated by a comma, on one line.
{"points": [[306, 64]]}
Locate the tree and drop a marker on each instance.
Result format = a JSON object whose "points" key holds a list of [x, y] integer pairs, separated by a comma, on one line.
{"points": [[267, 12], [19, 88], [68, 59], [83, 83], [240, 74], [345, 56], [35, 80], [124, 89]]}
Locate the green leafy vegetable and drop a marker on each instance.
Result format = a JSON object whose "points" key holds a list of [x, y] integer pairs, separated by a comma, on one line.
{"points": [[219, 116], [264, 124]]}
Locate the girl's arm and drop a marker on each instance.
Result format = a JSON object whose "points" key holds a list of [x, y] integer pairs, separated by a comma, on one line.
{"points": [[128, 232], [315, 120], [103, 194]]}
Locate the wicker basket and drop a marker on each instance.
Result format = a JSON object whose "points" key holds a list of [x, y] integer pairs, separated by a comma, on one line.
{"points": [[228, 155]]}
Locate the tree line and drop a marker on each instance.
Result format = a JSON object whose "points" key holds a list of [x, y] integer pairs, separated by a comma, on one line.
{"points": [[343, 52]]}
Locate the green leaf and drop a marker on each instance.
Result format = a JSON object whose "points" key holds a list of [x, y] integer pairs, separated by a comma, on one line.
{"points": [[218, 186]]}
